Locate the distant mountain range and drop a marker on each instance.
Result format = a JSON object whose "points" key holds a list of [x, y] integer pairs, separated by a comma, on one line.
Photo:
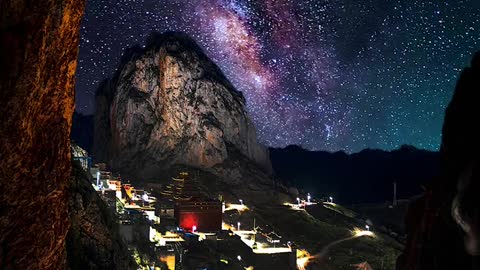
{"points": [[362, 177], [367, 176], [169, 105]]}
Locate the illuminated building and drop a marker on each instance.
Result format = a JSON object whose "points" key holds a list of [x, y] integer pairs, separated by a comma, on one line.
{"points": [[116, 184], [80, 155], [85, 162], [205, 215], [169, 260]]}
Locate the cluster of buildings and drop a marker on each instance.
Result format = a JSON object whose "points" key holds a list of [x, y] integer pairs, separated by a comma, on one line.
{"points": [[182, 226]]}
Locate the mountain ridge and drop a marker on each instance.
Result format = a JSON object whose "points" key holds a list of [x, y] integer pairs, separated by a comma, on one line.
{"points": [[408, 166]]}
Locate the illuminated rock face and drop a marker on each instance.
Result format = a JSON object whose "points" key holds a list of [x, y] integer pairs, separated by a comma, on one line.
{"points": [[169, 104], [38, 51]]}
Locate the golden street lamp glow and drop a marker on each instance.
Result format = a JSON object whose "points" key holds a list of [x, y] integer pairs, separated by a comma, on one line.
{"points": [[357, 232], [239, 207], [302, 263], [226, 226], [303, 258], [294, 206]]}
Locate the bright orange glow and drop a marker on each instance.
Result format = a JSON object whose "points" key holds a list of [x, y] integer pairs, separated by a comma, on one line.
{"points": [[226, 226], [303, 258], [169, 260]]}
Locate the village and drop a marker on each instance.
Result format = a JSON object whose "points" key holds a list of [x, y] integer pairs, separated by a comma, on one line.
{"points": [[181, 227]]}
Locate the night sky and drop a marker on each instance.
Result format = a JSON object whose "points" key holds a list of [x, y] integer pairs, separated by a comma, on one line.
{"points": [[325, 74]]}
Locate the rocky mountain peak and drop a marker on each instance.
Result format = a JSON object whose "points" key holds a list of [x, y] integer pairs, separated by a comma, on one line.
{"points": [[168, 104]]}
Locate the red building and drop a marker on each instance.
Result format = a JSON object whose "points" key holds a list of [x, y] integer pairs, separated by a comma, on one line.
{"points": [[199, 215]]}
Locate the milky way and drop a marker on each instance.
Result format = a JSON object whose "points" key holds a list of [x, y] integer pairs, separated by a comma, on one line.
{"points": [[324, 74]]}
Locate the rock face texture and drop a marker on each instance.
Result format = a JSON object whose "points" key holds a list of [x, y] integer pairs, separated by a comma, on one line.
{"points": [[444, 224], [93, 241], [169, 104], [38, 51]]}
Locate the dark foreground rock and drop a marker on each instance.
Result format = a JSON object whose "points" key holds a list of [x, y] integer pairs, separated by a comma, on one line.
{"points": [[38, 56], [93, 241], [443, 225]]}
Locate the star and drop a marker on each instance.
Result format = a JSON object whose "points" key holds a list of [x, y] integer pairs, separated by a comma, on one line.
{"points": [[326, 75]]}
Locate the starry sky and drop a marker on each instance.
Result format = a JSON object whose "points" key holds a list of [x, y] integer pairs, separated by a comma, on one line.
{"points": [[324, 74]]}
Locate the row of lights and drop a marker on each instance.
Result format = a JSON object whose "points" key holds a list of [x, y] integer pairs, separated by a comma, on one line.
{"points": [[330, 199], [238, 225], [308, 198]]}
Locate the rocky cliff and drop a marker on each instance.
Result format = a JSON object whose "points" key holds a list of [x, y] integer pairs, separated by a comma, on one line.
{"points": [[38, 51], [93, 241], [168, 104]]}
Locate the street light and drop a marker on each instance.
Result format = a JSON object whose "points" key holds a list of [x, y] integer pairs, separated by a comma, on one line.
{"points": [[308, 197], [367, 227], [238, 226], [239, 257], [241, 201], [331, 199], [298, 200]]}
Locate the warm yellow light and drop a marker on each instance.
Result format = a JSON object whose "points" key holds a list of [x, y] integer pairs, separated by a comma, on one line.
{"points": [[359, 233], [294, 206], [169, 260], [238, 207], [302, 263], [226, 226], [303, 258]]}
